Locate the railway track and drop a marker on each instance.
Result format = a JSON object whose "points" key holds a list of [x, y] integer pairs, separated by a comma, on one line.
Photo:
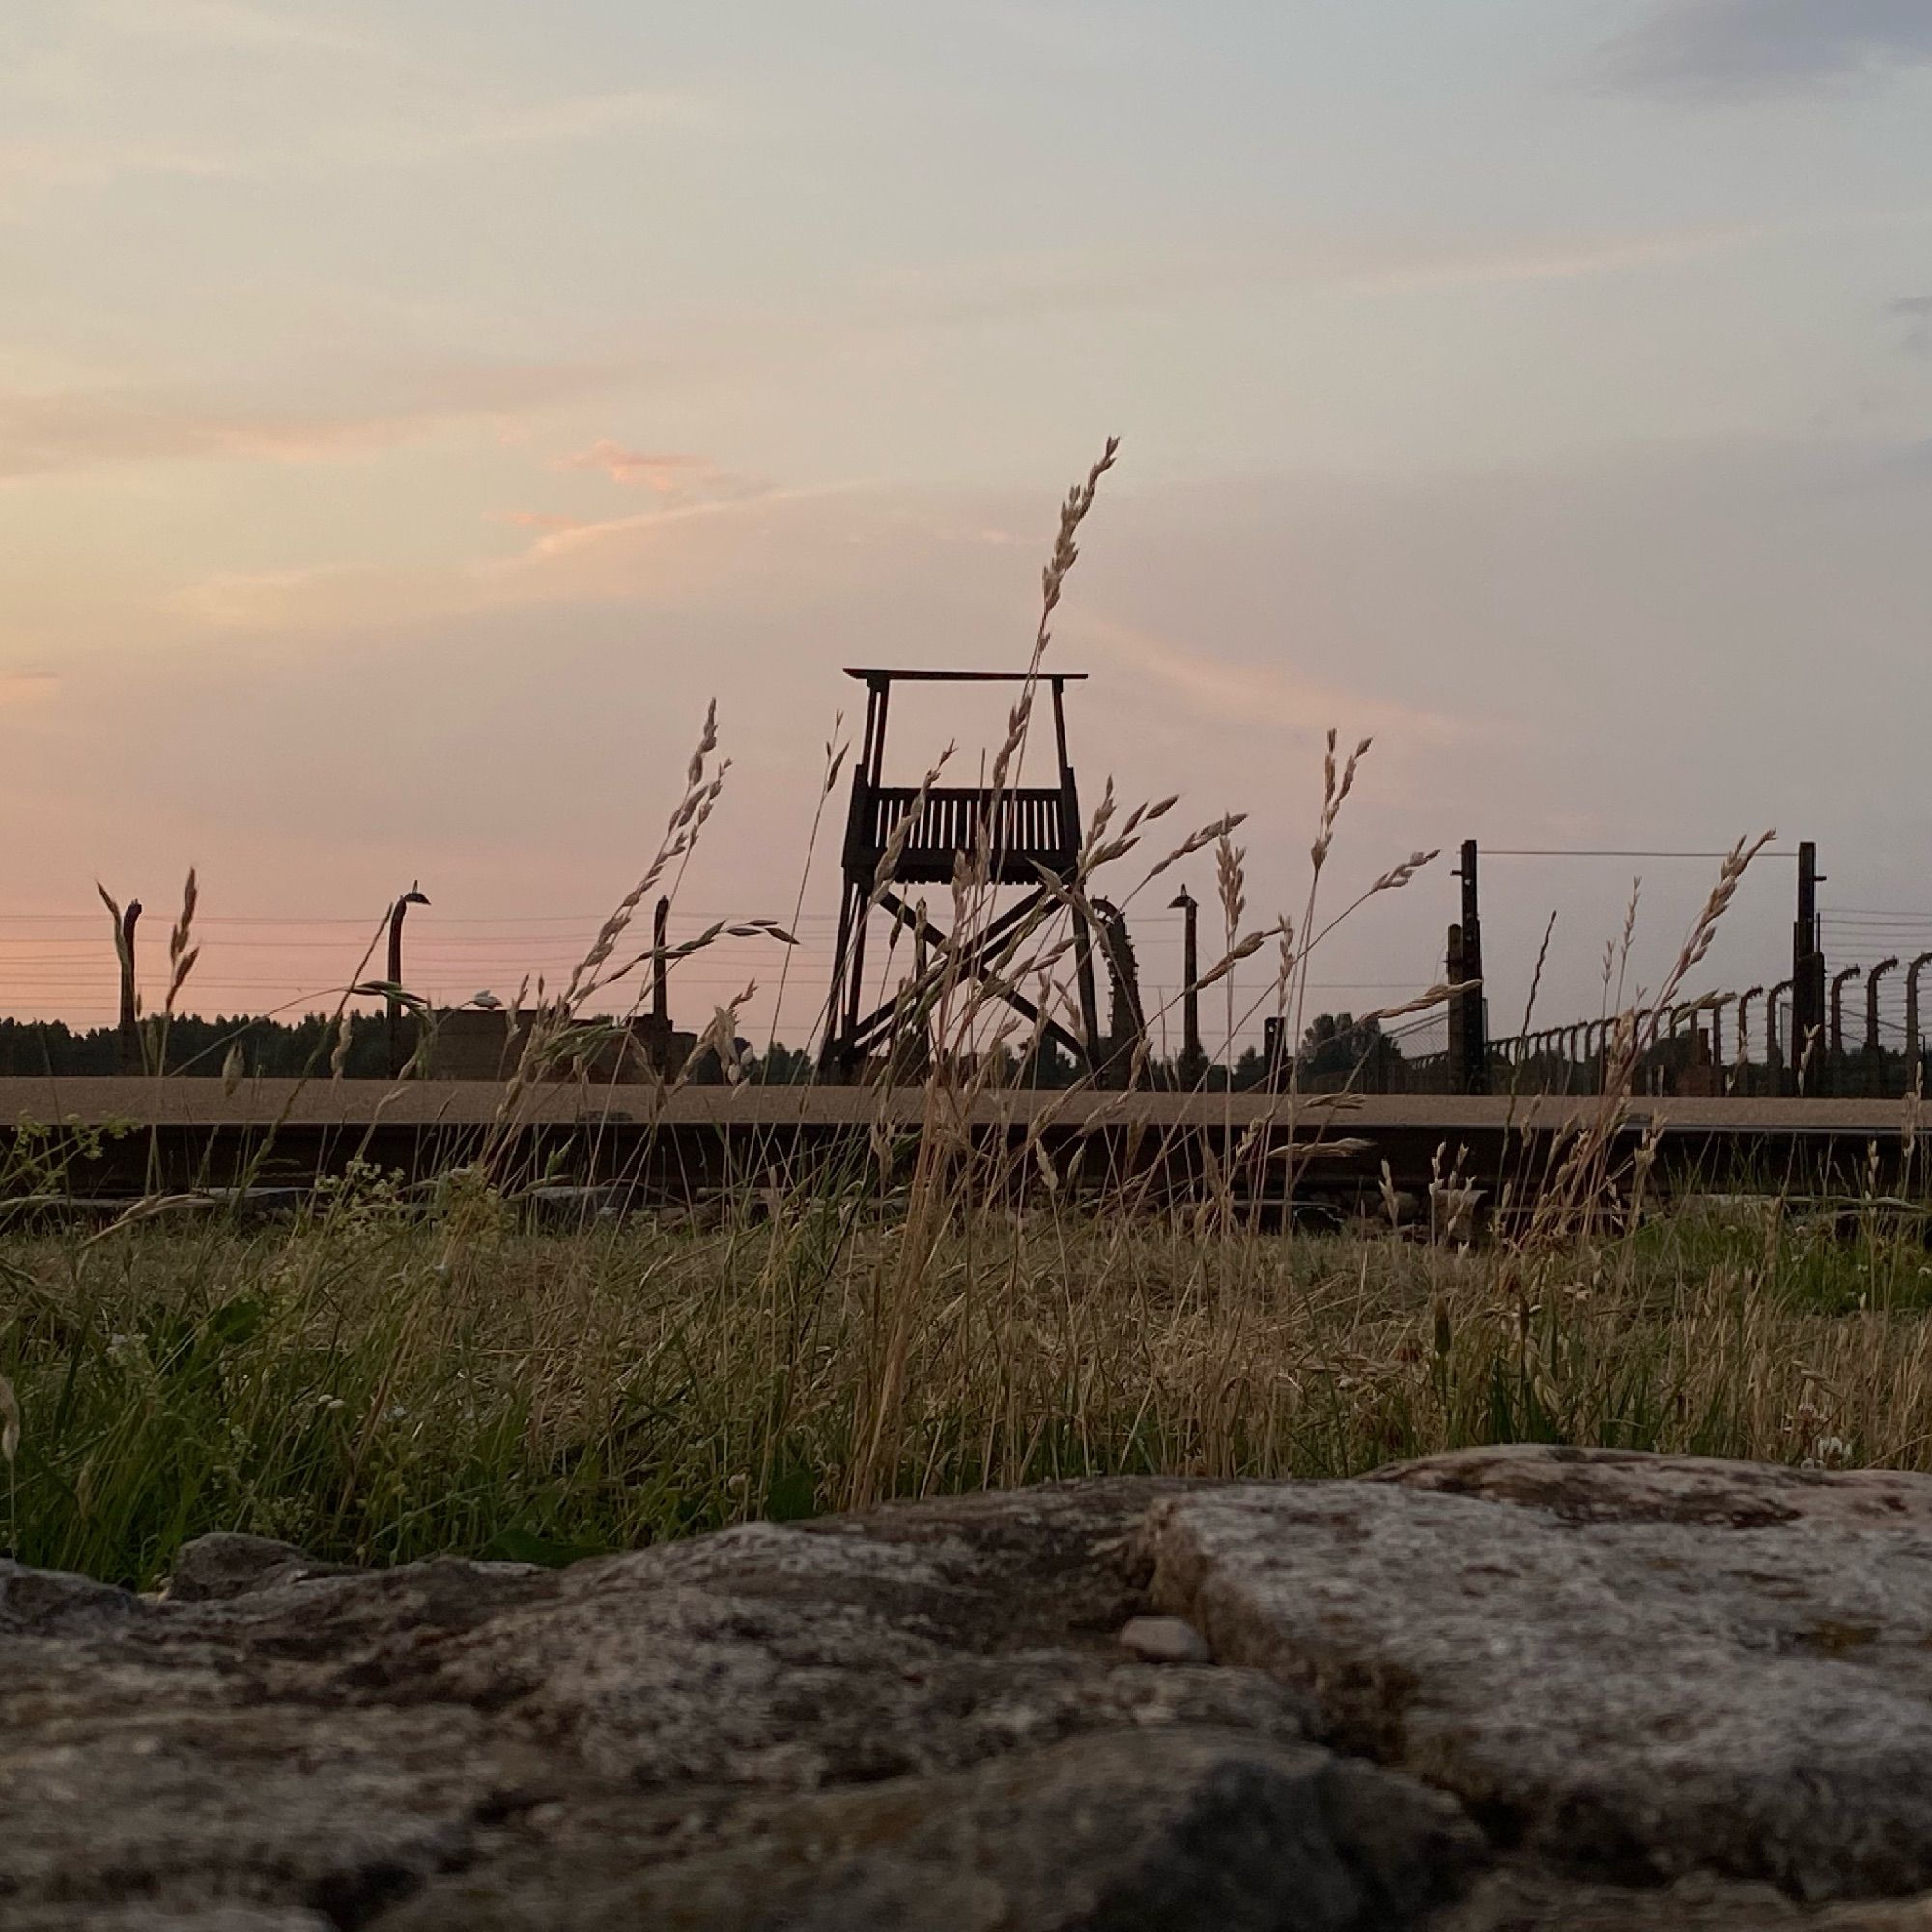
{"points": [[111, 1140]]}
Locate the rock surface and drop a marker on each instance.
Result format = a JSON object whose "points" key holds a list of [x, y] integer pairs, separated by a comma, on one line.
{"points": [[1639, 1667], [1508, 1690]]}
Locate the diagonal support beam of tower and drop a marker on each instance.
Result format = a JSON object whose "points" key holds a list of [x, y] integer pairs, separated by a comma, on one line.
{"points": [[902, 835]]}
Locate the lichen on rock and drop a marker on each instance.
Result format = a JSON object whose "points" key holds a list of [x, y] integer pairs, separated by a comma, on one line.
{"points": [[1491, 1693]]}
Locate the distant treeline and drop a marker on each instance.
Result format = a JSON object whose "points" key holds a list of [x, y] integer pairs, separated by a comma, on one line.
{"points": [[1335, 1045], [269, 1048], [195, 1047]]}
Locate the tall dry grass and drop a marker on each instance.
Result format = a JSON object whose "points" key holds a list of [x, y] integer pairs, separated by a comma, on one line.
{"points": [[397, 1373], [342, 1386]]}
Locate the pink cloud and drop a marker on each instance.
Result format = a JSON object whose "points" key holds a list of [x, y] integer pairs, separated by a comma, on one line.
{"points": [[669, 474], [536, 520], [60, 431], [1256, 692]]}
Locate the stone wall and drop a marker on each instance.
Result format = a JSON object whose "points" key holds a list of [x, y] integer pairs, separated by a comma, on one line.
{"points": [[1508, 1690]]}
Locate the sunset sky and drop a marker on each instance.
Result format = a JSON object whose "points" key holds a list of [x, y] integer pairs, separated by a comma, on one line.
{"points": [[412, 414]]}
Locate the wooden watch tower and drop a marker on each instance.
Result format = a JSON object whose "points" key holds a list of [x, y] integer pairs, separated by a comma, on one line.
{"points": [[1031, 828]]}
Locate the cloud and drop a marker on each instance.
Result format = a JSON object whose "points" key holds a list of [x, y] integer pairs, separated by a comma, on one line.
{"points": [[687, 485], [1916, 311], [1907, 464], [75, 429], [479, 125], [673, 550], [536, 520], [1548, 258], [234, 600], [669, 475], [998, 288], [568, 536], [29, 164], [446, 131], [24, 687], [91, 109], [1253, 695], [1717, 48], [228, 23]]}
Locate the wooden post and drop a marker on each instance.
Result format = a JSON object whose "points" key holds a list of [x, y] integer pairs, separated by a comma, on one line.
{"points": [[879, 703], [1274, 1051], [130, 1018], [1193, 1061], [1807, 963], [661, 967], [1475, 1034], [414, 896], [1459, 1030], [1083, 938]]}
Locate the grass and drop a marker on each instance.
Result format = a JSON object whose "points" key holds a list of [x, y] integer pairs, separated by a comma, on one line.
{"points": [[378, 1388], [377, 1383]]}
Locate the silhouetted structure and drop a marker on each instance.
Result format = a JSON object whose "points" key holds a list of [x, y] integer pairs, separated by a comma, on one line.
{"points": [[904, 835], [1126, 1054], [130, 1012], [1837, 1035], [1468, 1030], [1872, 978], [1745, 998], [467, 1043], [1193, 1061], [394, 1003], [661, 967], [1807, 965], [1912, 973]]}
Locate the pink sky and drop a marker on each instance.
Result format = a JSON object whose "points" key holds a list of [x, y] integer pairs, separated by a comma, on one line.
{"points": [[403, 436]]}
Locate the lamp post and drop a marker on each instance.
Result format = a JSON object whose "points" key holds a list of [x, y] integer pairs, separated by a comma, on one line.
{"points": [[1193, 1061], [414, 896], [131, 1023]]}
